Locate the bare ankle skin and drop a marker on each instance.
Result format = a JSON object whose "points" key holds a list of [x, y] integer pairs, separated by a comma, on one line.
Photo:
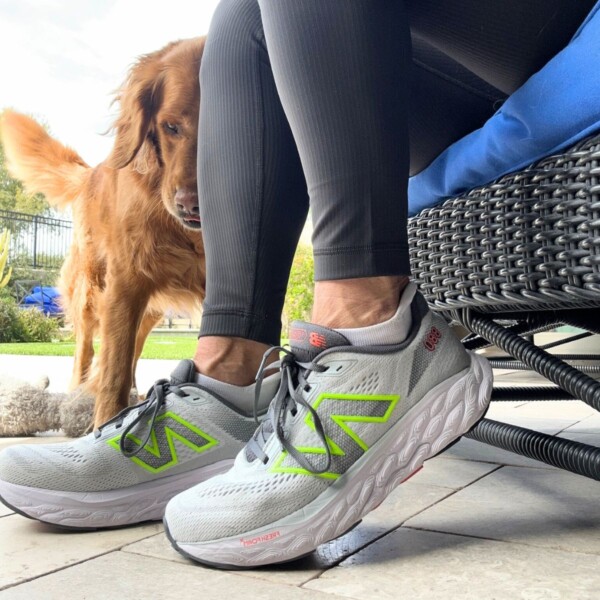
{"points": [[343, 303], [230, 359], [350, 303]]}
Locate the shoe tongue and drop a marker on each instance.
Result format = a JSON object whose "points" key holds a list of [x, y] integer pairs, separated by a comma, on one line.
{"points": [[309, 340], [185, 372]]}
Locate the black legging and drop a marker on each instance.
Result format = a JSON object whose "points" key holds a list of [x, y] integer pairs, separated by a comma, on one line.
{"points": [[314, 99]]}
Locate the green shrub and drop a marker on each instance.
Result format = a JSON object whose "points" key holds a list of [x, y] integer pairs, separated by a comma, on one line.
{"points": [[37, 326], [11, 327], [301, 287], [25, 325]]}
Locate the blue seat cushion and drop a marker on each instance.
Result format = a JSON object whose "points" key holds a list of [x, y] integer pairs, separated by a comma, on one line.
{"points": [[555, 108]]}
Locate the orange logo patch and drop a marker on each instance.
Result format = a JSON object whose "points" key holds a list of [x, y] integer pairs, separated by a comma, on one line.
{"points": [[317, 340]]}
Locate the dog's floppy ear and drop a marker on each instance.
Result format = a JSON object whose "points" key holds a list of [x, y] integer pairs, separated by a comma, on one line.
{"points": [[139, 99]]}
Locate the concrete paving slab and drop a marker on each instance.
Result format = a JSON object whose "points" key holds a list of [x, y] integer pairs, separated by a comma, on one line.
{"points": [[126, 575], [422, 565], [547, 508], [29, 549]]}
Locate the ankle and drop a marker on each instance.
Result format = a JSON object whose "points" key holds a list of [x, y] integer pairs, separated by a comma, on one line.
{"points": [[231, 360], [352, 303]]}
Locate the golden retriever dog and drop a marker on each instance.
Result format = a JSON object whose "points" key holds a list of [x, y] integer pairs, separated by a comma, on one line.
{"points": [[137, 247]]}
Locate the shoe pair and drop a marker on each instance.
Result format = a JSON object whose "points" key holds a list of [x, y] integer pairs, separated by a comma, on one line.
{"points": [[346, 426]]}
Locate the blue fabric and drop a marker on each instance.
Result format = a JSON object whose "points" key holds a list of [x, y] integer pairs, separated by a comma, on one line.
{"points": [[553, 109], [46, 299]]}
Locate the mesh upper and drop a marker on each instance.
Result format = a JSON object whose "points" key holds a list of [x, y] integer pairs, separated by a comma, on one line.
{"points": [[367, 384], [91, 465], [232, 504]]}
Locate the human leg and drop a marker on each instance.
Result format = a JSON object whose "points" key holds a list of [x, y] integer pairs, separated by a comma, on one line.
{"points": [[354, 151], [350, 419], [253, 196]]}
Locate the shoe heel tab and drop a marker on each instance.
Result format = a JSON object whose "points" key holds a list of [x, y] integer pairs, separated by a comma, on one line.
{"points": [[419, 309]]}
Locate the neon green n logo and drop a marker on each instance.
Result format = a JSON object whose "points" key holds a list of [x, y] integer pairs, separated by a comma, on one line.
{"points": [[352, 439], [160, 453]]}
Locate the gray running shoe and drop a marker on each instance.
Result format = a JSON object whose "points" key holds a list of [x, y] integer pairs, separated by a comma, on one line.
{"points": [[127, 471], [347, 425]]}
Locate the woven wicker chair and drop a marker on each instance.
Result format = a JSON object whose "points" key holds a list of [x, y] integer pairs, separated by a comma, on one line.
{"points": [[515, 257]]}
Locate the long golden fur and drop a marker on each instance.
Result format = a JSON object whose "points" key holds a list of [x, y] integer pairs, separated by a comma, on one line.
{"points": [[133, 254]]}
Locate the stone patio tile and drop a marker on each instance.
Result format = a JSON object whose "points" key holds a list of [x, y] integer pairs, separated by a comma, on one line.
{"points": [[561, 409], [498, 408], [124, 575], [589, 425], [549, 508], [29, 549], [422, 565], [509, 377], [454, 474], [404, 502]]}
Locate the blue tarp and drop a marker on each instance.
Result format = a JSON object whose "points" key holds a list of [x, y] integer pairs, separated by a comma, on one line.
{"points": [[47, 299], [553, 109]]}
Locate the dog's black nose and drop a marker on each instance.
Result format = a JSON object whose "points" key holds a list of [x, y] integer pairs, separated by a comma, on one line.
{"points": [[186, 201]]}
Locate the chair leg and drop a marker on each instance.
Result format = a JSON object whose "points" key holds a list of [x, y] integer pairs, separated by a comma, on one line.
{"points": [[565, 454], [576, 383], [572, 384], [530, 393]]}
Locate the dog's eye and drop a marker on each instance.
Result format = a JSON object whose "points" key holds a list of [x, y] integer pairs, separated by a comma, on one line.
{"points": [[171, 128]]}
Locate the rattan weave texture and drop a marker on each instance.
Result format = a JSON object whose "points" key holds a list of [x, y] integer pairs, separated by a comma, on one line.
{"points": [[530, 240]]}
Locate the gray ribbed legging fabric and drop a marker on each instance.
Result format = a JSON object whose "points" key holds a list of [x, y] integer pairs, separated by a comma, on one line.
{"points": [[310, 99]]}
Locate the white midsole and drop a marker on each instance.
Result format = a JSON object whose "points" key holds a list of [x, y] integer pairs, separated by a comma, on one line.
{"points": [[443, 415], [125, 506]]}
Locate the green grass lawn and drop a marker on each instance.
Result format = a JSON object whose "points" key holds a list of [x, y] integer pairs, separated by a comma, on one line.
{"points": [[173, 347]]}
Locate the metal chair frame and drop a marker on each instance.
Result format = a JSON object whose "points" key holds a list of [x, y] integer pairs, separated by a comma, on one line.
{"points": [[516, 257]]}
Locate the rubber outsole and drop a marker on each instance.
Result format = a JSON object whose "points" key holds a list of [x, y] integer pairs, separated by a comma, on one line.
{"points": [[225, 567]]}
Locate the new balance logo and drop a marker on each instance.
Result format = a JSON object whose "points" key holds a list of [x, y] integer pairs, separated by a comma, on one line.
{"points": [[317, 340], [434, 335], [341, 411], [169, 432]]}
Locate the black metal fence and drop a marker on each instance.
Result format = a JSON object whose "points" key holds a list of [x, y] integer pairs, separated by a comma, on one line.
{"points": [[38, 242]]}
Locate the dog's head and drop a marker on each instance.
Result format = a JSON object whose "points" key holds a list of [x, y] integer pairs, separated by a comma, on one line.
{"points": [[157, 127]]}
